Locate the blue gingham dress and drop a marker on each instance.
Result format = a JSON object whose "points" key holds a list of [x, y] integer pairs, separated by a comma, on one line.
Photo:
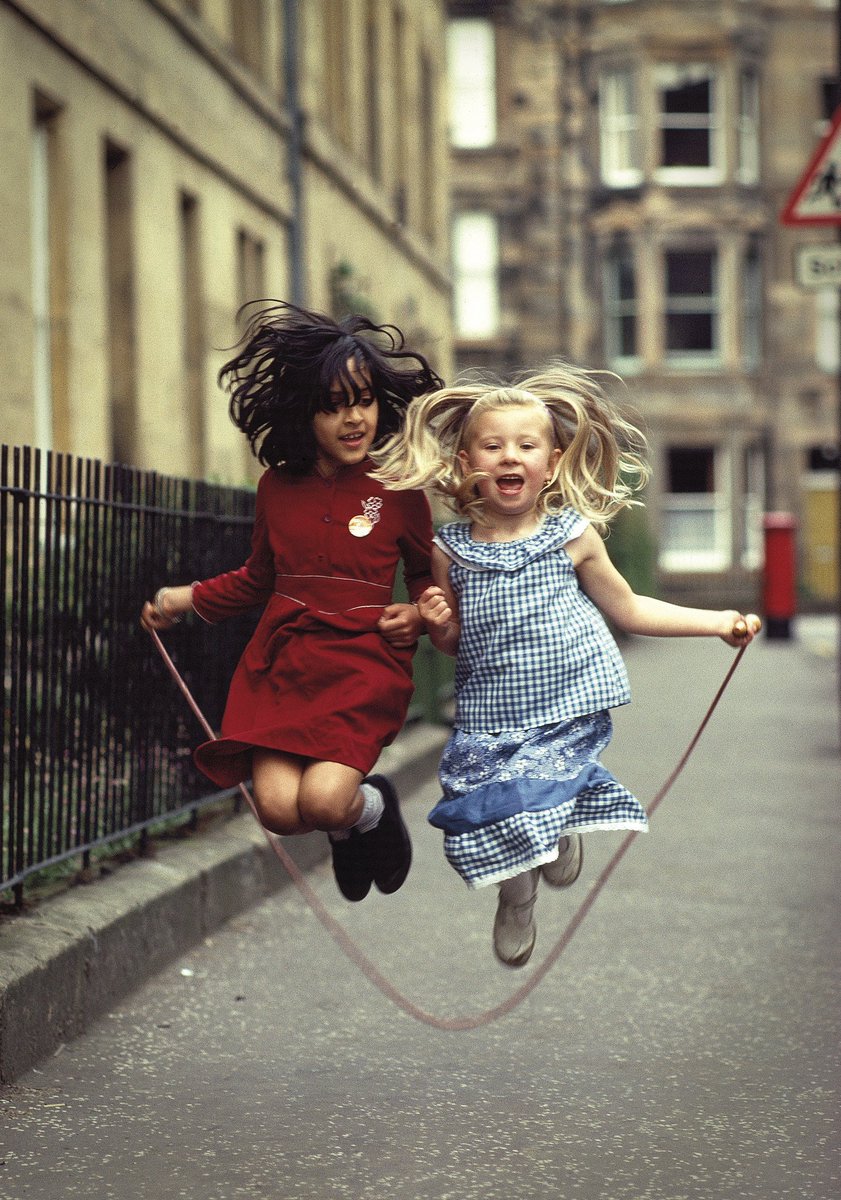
{"points": [[536, 673]]}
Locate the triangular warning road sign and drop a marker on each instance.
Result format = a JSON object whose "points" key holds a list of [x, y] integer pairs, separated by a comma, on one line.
{"points": [[817, 198]]}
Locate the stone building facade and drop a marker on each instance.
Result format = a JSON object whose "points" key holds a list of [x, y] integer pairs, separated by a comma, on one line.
{"points": [[619, 168], [167, 160]]}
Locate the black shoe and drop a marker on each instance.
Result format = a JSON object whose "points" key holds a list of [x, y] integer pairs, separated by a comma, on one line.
{"points": [[388, 846], [350, 866]]}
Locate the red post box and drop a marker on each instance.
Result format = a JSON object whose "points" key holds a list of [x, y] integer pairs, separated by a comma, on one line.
{"points": [[779, 582]]}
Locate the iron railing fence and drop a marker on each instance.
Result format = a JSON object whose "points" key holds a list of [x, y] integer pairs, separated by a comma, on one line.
{"points": [[96, 740], [96, 744]]}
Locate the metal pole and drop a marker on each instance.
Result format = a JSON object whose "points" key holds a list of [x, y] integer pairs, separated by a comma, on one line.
{"points": [[294, 164], [838, 440]]}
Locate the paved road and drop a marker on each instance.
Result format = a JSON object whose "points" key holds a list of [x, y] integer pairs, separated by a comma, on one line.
{"points": [[685, 1047]]}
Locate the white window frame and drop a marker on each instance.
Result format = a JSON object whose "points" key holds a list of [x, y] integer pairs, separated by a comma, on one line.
{"points": [[688, 303], [752, 308], [617, 307], [713, 508], [475, 255], [670, 74], [753, 505], [747, 127], [827, 329], [41, 272], [471, 63], [619, 128]]}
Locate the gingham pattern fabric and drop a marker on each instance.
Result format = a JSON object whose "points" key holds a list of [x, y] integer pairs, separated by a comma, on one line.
{"points": [[509, 797], [534, 649]]}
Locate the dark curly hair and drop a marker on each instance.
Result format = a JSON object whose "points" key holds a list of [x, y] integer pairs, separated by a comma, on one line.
{"points": [[287, 361]]}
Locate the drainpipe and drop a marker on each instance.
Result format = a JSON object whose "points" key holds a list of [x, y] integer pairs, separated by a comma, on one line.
{"points": [[838, 431], [294, 166]]}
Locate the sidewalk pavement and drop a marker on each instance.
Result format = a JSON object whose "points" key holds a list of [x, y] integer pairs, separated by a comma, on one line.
{"points": [[684, 1047], [73, 957]]}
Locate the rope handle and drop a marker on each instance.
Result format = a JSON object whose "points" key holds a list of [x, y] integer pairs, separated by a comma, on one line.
{"points": [[358, 956]]}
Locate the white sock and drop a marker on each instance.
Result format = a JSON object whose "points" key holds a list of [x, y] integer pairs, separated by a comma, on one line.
{"points": [[372, 808], [369, 818]]}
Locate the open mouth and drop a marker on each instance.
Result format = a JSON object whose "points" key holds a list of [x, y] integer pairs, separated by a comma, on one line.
{"points": [[510, 485], [352, 439]]}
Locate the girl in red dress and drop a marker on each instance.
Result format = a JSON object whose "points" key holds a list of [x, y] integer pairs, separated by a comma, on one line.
{"points": [[324, 683]]}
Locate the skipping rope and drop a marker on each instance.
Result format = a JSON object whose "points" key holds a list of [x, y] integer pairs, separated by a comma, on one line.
{"points": [[361, 959]]}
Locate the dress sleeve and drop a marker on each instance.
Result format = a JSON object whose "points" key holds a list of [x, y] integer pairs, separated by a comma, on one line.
{"points": [[572, 524], [252, 584], [415, 544]]}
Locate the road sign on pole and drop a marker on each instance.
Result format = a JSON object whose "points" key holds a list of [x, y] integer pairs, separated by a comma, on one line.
{"points": [[817, 198], [818, 266]]}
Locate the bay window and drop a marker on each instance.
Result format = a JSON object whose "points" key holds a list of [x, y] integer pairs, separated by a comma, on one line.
{"points": [[696, 510], [690, 144], [691, 307]]}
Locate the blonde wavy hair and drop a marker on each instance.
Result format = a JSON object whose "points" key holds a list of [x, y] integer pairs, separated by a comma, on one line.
{"points": [[601, 466]]}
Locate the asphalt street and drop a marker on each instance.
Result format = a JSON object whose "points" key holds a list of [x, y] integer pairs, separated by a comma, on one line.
{"points": [[684, 1047]]}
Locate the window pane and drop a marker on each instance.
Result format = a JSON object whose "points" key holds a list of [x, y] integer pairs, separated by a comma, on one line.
{"points": [[686, 148], [625, 279], [475, 308], [752, 321], [687, 118], [827, 328], [619, 125], [754, 484], [748, 128], [41, 268], [687, 97], [691, 469], [373, 130], [691, 531], [249, 34], [620, 304], [471, 54], [690, 332], [689, 273], [476, 272], [691, 303], [628, 336], [696, 521]]}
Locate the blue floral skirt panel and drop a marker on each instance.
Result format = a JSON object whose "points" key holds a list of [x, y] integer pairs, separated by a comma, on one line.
{"points": [[510, 796]]}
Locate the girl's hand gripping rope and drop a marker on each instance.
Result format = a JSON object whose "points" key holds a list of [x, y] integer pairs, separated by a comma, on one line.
{"points": [[167, 608], [741, 629]]}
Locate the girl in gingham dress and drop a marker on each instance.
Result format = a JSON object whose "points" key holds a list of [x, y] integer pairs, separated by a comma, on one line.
{"points": [[536, 472]]}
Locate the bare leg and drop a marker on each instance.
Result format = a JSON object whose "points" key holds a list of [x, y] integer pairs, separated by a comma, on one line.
{"points": [[329, 797], [296, 795]]}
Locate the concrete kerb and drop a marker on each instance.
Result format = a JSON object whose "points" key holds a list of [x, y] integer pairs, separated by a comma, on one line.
{"points": [[75, 956]]}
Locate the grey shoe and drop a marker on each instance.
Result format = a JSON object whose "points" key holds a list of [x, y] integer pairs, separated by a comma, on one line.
{"points": [[567, 866], [515, 930]]}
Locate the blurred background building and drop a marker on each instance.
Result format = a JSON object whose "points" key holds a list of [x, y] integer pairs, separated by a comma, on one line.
{"points": [[508, 180], [619, 167], [167, 160]]}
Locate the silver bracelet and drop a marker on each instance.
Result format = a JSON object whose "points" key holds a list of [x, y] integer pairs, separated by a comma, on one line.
{"points": [[157, 604]]}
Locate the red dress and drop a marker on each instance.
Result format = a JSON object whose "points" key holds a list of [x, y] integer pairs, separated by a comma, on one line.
{"points": [[317, 679]]}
